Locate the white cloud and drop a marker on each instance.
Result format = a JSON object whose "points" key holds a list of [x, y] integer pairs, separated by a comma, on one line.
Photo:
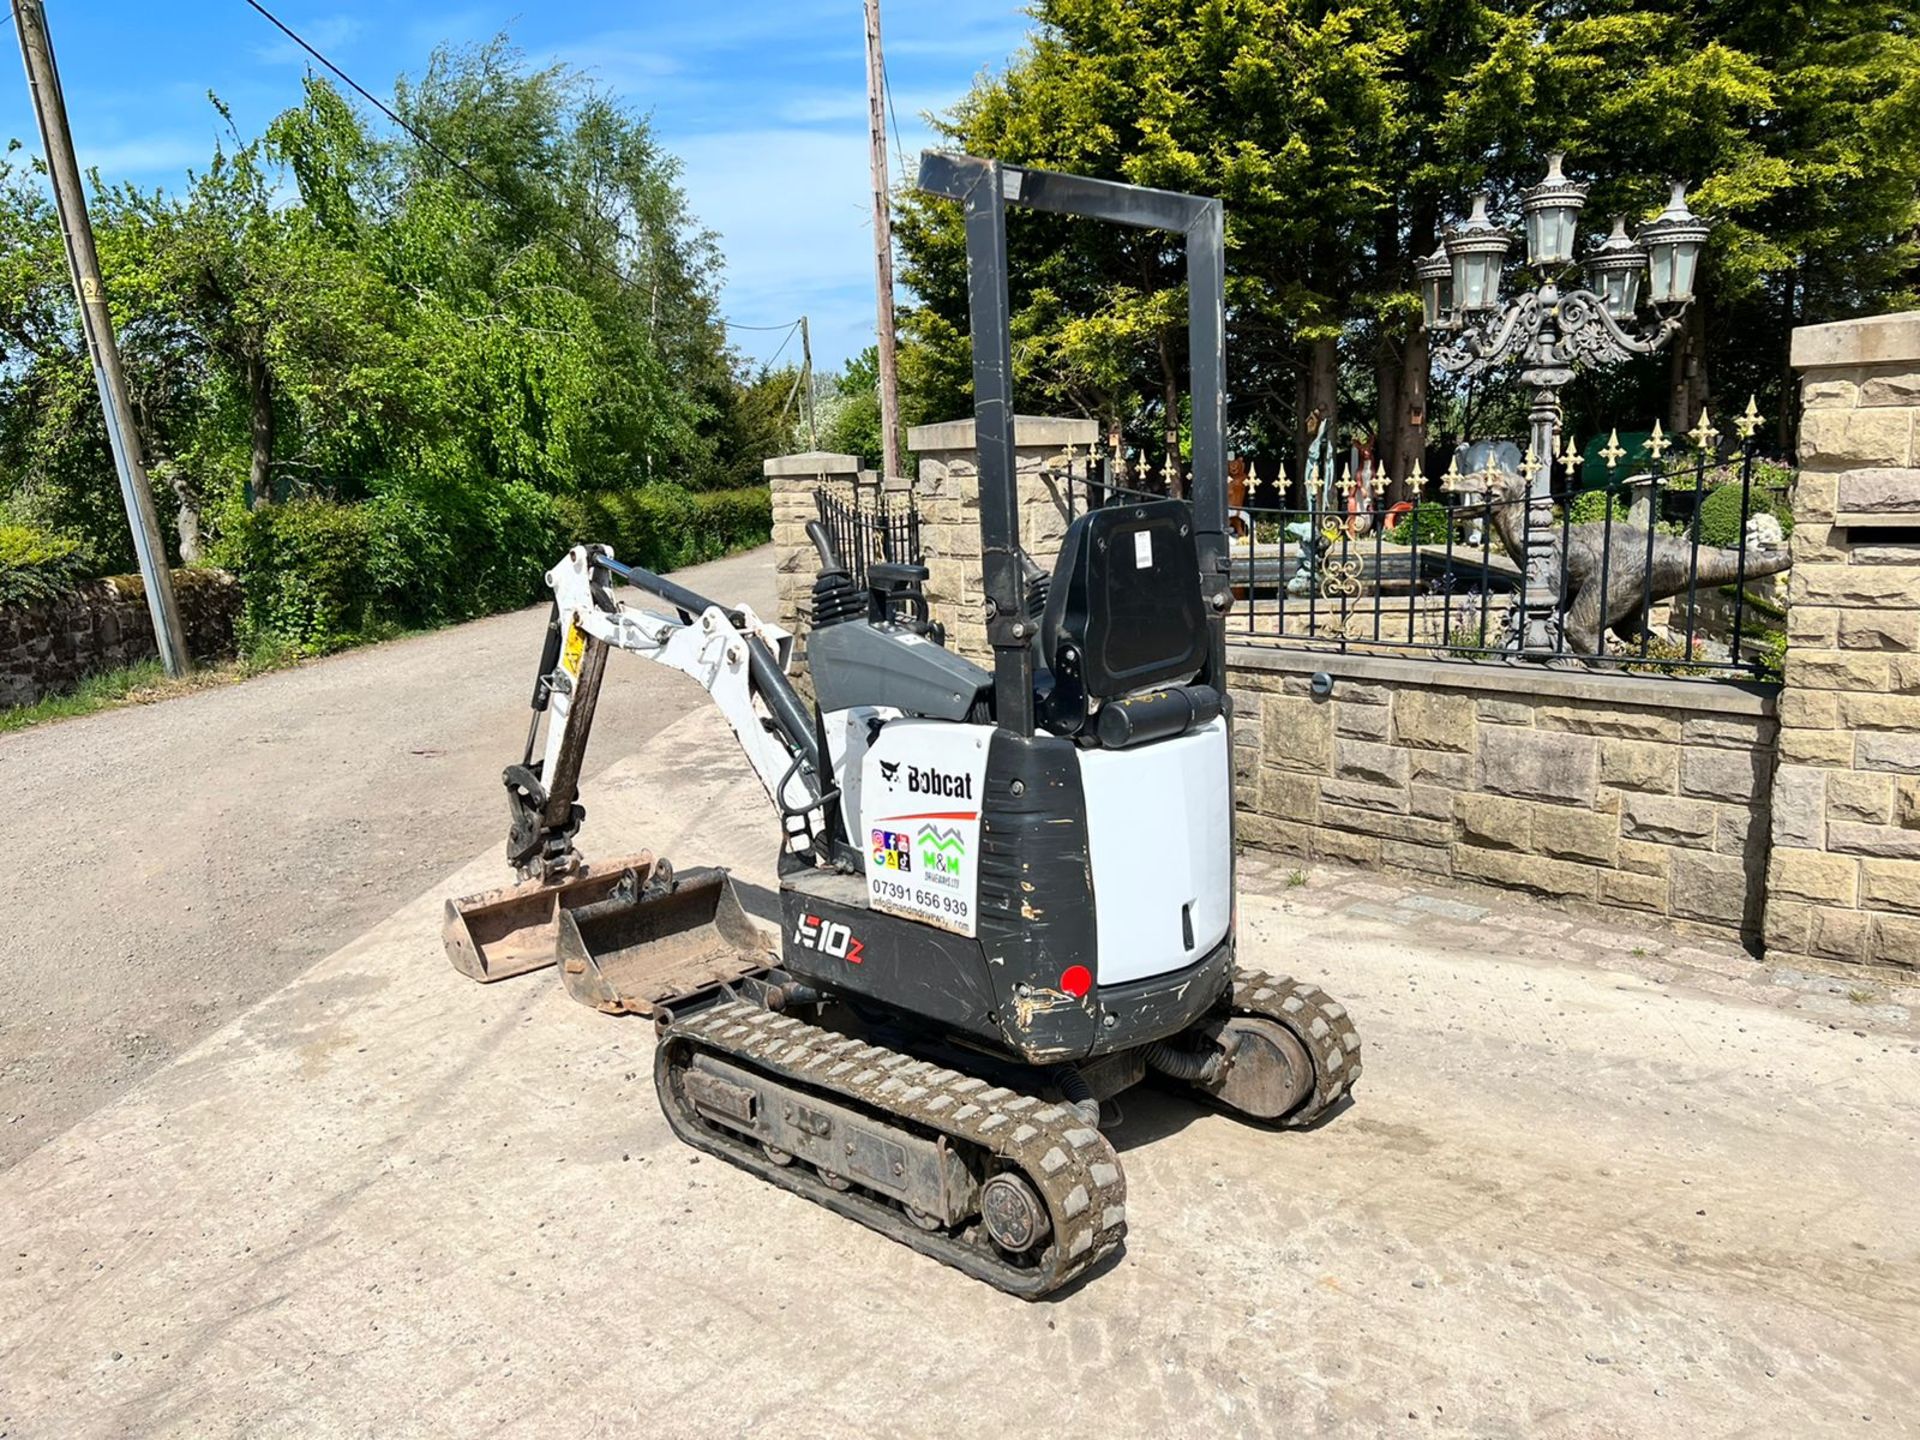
{"points": [[793, 209], [327, 34]]}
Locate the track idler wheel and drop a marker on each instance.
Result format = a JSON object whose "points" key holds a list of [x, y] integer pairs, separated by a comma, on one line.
{"points": [[1268, 1071], [1014, 1215]]}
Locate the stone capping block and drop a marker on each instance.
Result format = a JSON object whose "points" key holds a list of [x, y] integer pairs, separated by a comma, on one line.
{"points": [[1035, 430], [1876, 340], [810, 463], [1715, 697]]}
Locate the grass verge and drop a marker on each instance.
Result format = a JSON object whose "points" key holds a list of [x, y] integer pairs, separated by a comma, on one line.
{"points": [[140, 684]]}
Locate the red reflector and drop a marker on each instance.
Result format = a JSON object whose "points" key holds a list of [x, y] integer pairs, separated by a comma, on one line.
{"points": [[1076, 980]]}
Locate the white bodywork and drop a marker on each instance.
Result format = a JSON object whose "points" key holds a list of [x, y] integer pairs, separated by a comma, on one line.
{"points": [[712, 649], [1160, 837]]}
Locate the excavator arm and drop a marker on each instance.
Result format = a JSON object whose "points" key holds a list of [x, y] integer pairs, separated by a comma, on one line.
{"points": [[739, 659]]}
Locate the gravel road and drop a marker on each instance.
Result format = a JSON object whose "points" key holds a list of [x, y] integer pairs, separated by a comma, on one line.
{"points": [[175, 862]]}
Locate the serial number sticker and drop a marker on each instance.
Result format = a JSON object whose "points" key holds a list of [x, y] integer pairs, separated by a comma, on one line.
{"points": [[574, 649], [1143, 549]]}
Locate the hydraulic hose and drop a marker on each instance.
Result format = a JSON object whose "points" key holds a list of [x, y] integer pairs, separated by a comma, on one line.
{"points": [[1077, 1093], [1188, 1065]]}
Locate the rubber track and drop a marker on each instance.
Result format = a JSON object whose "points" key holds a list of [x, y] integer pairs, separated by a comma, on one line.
{"points": [[1069, 1164], [1319, 1021]]}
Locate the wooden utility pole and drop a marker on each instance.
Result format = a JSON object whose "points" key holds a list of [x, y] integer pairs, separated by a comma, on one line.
{"points": [[83, 268], [806, 379], [882, 245]]}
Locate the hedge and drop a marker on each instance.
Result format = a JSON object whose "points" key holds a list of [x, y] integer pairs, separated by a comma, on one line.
{"points": [[37, 564], [321, 574]]}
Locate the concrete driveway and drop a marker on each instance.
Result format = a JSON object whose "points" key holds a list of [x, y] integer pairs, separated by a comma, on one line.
{"points": [[1594, 1184], [168, 865]]}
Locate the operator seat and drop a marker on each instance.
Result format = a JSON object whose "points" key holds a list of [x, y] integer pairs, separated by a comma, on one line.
{"points": [[1124, 634]]}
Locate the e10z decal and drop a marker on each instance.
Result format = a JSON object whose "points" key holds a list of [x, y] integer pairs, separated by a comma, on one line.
{"points": [[829, 937], [892, 850]]}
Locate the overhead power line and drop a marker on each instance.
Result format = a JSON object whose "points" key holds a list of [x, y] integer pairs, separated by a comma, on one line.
{"points": [[478, 182]]}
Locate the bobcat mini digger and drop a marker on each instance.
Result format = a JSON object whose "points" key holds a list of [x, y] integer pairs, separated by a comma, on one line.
{"points": [[1006, 895]]}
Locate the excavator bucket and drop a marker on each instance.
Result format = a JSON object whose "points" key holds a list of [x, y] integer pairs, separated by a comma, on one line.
{"points": [[628, 935]]}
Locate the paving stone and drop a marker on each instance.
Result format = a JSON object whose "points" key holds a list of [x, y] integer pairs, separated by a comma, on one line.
{"points": [[1538, 764], [1448, 909]]}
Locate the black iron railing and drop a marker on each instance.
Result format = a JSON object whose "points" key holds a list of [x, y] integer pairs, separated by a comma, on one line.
{"points": [[1653, 570], [863, 531]]}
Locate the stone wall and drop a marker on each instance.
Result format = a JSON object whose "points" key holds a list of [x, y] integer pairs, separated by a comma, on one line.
{"points": [[792, 480], [1639, 793], [1844, 881], [100, 625], [948, 493]]}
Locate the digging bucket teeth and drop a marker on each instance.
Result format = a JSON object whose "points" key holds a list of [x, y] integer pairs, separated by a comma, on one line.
{"points": [[628, 934]]}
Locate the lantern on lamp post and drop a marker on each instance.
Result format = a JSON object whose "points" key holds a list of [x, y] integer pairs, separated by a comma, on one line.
{"points": [[1551, 332]]}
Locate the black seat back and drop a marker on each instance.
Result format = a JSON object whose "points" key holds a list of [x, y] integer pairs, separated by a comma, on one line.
{"points": [[1124, 610]]}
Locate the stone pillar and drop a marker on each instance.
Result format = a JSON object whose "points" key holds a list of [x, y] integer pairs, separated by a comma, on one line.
{"points": [[948, 492], [1844, 879], [792, 479]]}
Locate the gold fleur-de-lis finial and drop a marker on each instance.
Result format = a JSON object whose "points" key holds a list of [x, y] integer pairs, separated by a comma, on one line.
{"points": [[1613, 450], [1657, 443], [1417, 476], [1381, 480], [1170, 472], [1453, 481], [1346, 485], [1703, 435], [1254, 482], [1489, 472], [1749, 421], [1570, 453]]}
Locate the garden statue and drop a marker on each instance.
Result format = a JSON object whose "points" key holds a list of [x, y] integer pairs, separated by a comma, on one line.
{"points": [[1611, 574]]}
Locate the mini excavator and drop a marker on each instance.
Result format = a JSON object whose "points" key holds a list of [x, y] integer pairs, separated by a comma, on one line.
{"points": [[1007, 894]]}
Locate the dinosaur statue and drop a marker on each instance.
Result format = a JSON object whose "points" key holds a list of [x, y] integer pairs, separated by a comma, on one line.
{"points": [[1590, 613]]}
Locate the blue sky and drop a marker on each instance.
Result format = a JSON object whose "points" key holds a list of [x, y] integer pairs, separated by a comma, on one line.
{"points": [[765, 104]]}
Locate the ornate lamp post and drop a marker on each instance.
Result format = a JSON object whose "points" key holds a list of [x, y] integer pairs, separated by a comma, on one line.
{"points": [[1552, 331]]}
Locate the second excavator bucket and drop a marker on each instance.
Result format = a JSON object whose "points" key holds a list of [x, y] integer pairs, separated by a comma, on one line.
{"points": [[679, 938], [629, 935]]}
